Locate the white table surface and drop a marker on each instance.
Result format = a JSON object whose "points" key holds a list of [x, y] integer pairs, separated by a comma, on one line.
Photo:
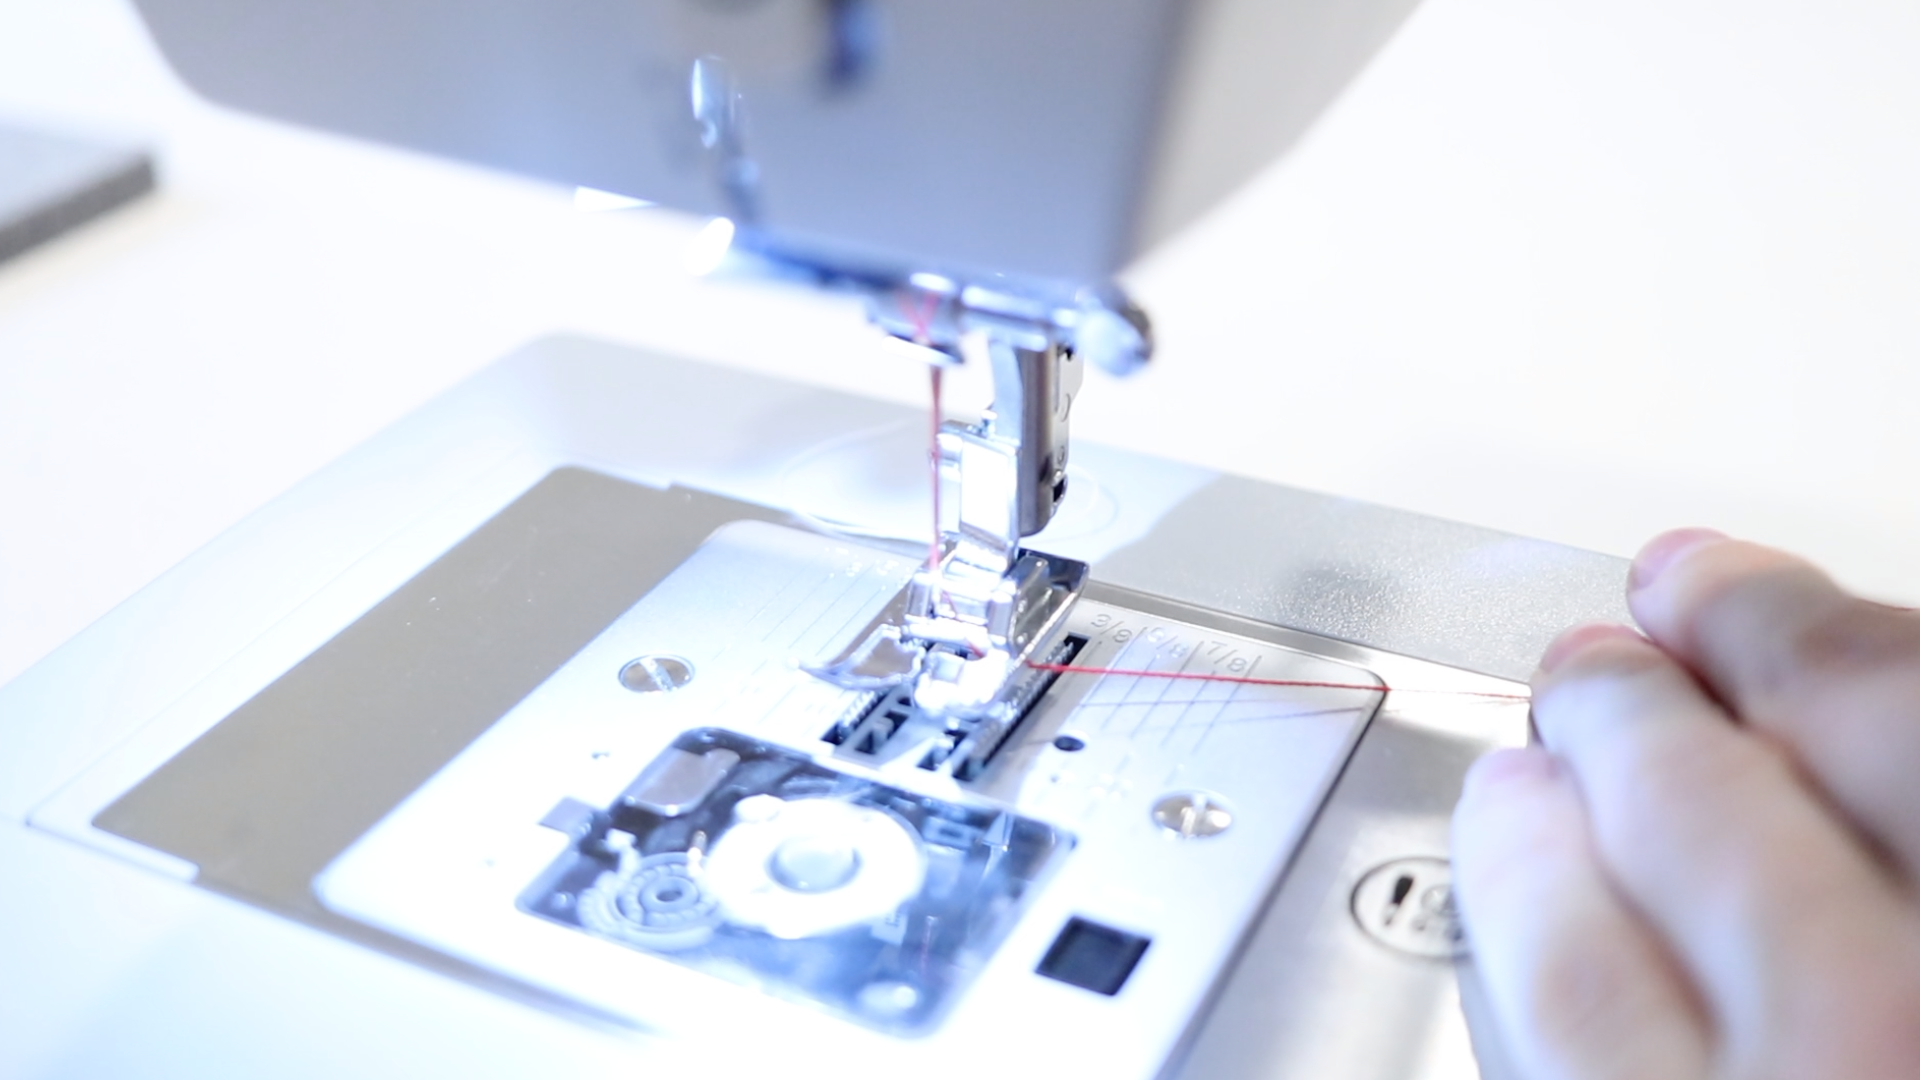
{"points": [[1580, 270]]}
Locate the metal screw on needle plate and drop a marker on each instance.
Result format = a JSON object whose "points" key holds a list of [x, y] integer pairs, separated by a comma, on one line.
{"points": [[1191, 814], [656, 674]]}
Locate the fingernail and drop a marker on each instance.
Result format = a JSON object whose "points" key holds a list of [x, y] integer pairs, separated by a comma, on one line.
{"points": [[1578, 638], [1665, 550]]}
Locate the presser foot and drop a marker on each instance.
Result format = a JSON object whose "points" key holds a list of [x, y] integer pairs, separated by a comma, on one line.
{"points": [[962, 643]]}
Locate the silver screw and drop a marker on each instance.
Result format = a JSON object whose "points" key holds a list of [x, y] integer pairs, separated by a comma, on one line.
{"points": [[656, 674], [1192, 814]]}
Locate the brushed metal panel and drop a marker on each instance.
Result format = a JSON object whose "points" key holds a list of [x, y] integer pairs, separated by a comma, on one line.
{"points": [[264, 800]]}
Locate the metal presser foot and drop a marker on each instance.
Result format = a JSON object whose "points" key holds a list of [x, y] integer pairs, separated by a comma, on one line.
{"points": [[963, 632], [962, 651]]}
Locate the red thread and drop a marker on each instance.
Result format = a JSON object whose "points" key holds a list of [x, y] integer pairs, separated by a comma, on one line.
{"points": [[1247, 680], [933, 466], [921, 313]]}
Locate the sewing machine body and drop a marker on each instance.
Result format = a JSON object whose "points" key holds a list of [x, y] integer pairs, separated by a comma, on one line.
{"points": [[1045, 141], [165, 765]]}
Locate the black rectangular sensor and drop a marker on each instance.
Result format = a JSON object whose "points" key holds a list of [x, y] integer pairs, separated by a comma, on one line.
{"points": [[1093, 957]]}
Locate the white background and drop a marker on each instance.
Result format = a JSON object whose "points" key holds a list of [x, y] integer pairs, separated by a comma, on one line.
{"points": [[1580, 270]]}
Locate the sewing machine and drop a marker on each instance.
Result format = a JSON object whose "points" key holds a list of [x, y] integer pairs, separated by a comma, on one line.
{"points": [[625, 689]]}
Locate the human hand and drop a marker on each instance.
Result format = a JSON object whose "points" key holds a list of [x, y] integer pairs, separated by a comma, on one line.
{"points": [[1708, 868]]}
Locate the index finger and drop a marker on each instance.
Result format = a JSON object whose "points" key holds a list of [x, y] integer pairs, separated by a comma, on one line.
{"points": [[1837, 678]]}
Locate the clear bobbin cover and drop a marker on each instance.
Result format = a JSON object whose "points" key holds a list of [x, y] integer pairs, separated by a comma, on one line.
{"points": [[748, 861]]}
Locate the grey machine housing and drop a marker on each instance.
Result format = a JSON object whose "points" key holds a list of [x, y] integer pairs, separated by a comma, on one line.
{"points": [[1047, 140]]}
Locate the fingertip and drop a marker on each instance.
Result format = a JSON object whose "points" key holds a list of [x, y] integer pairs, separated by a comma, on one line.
{"points": [[1664, 551], [1510, 763], [1592, 679], [1508, 773], [1509, 800], [1679, 572], [1577, 640]]}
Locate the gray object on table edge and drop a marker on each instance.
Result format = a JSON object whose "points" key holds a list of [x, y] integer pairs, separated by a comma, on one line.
{"points": [[51, 184]]}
